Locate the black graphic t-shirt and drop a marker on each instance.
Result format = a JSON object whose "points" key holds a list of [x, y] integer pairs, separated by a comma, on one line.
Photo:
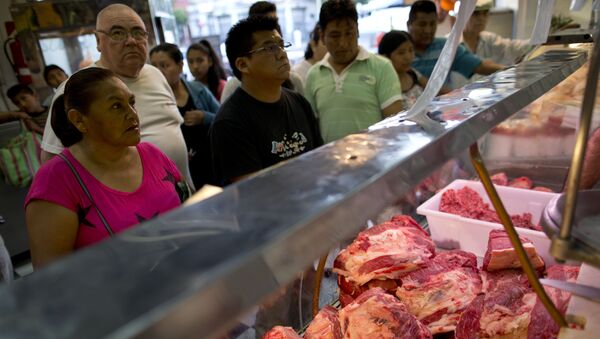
{"points": [[249, 135]]}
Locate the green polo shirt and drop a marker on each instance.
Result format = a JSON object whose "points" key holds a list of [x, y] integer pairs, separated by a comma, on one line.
{"points": [[353, 100]]}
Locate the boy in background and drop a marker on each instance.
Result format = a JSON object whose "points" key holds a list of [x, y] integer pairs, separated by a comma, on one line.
{"points": [[27, 101]]}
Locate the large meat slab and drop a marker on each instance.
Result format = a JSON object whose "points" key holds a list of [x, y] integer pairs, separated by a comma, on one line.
{"points": [[376, 314], [501, 254], [385, 251], [438, 293], [325, 325]]}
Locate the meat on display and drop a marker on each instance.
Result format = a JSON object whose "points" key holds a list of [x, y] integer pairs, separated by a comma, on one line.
{"points": [[376, 314], [386, 251], [325, 325], [438, 293], [467, 203], [501, 254], [281, 332]]}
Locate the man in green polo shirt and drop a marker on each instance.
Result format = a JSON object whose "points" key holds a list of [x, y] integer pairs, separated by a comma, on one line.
{"points": [[350, 89]]}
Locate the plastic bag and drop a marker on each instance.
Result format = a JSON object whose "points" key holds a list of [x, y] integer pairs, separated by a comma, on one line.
{"points": [[20, 159]]}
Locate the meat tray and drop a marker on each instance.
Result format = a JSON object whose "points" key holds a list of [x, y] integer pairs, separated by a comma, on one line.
{"points": [[450, 231]]}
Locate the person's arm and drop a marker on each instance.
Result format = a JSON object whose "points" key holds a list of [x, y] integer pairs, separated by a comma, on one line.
{"points": [[487, 67], [423, 83], [389, 91], [52, 231], [11, 116], [395, 107], [591, 165], [33, 126]]}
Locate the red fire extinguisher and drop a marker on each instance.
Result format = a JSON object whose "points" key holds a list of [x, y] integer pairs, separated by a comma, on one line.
{"points": [[16, 58]]}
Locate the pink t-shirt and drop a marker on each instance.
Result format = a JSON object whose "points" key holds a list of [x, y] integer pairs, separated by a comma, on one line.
{"points": [[56, 183]]}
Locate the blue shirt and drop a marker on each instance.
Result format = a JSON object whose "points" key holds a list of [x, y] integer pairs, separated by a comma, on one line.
{"points": [[464, 63]]}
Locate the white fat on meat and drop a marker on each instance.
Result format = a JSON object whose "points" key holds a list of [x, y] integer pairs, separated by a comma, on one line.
{"points": [[386, 251]]}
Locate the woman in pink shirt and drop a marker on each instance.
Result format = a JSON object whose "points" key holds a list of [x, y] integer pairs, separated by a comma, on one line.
{"points": [[105, 180]]}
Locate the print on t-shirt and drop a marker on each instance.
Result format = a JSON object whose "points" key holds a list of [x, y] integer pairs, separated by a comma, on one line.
{"points": [[286, 148]]}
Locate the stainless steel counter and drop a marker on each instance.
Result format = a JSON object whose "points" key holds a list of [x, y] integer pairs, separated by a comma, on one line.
{"points": [[190, 273]]}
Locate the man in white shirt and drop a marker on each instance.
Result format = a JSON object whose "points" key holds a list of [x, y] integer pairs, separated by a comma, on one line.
{"points": [[123, 45]]}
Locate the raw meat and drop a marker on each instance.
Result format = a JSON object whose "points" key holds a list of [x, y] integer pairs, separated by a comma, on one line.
{"points": [[521, 182], [500, 179], [503, 312], [386, 251], [280, 332], [501, 254], [542, 325], [495, 280], [376, 314], [543, 189], [438, 293], [467, 203], [325, 325], [350, 290]]}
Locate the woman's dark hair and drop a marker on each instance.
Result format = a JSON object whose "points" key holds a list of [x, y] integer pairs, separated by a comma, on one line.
{"points": [[332, 10], [171, 50], [49, 68], [421, 6], [262, 8], [216, 73], [239, 39], [80, 91], [315, 36], [391, 40]]}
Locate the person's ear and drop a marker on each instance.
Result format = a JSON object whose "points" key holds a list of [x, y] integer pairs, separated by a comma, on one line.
{"points": [[180, 67], [97, 35], [241, 64], [78, 120]]}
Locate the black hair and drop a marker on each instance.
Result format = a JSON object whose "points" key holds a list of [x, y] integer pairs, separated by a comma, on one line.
{"points": [[216, 73], [261, 8], [239, 39], [315, 36], [332, 10], [391, 40], [16, 89], [79, 94], [50, 68], [171, 49], [421, 6]]}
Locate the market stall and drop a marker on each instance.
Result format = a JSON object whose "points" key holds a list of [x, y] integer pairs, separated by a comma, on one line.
{"points": [[193, 272]]}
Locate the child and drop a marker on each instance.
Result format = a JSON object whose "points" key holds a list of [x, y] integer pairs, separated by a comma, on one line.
{"points": [[54, 76], [398, 47], [27, 101]]}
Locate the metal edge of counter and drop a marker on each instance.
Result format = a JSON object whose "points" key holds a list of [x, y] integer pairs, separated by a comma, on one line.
{"points": [[191, 272]]}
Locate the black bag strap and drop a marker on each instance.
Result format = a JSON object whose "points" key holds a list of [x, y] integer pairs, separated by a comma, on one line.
{"points": [[87, 193]]}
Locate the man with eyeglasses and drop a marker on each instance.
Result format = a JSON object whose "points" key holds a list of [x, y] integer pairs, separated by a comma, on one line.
{"points": [[350, 89], [122, 41], [261, 124]]}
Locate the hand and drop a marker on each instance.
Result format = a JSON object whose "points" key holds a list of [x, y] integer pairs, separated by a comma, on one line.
{"points": [[20, 115], [191, 118]]}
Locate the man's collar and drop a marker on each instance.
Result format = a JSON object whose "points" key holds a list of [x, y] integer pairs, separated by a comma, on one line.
{"points": [[363, 54]]}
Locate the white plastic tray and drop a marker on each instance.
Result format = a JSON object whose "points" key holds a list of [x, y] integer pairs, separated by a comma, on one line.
{"points": [[450, 231]]}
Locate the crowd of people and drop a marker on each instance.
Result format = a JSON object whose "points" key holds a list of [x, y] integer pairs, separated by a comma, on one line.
{"points": [[124, 140]]}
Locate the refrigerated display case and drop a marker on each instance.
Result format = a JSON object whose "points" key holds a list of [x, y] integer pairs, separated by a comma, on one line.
{"points": [[223, 264]]}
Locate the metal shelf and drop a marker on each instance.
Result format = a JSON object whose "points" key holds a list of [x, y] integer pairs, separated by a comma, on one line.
{"points": [[191, 272]]}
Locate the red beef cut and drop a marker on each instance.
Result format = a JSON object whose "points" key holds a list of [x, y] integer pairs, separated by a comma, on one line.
{"points": [[325, 325], [468, 204], [501, 254], [438, 293], [521, 182], [350, 290], [386, 251], [500, 179], [543, 189], [542, 326], [376, 314], [280, 332]]}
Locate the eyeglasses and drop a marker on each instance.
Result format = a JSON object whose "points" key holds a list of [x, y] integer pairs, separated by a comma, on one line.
{"points": [[120, 34], [272, 48]]}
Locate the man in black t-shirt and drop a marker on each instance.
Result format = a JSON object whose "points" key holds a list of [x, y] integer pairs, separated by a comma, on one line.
{"points": [[261, 123]]}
